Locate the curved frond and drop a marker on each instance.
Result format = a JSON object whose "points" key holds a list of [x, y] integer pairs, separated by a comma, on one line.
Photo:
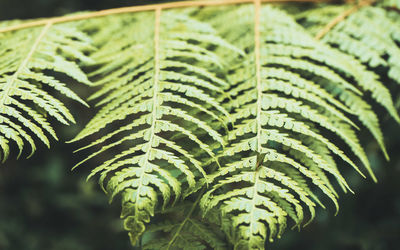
{"points": [[159, 112], [370, 36], [30, 61], [287, 103], [217, 126]]}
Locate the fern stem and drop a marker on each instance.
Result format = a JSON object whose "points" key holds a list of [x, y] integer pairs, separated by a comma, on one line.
{"points": [[156, 66], [156, 77], [155, 90], [341, 17], [257, 8], [114, 11], [154, 108], [257, 53], [171, 242], [253, 206]]}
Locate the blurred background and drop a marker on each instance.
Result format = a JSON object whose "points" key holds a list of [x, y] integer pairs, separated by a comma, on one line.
{"points": [[46, 206]]}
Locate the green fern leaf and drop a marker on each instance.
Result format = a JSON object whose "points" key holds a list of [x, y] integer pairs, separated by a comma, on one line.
{"points": [[282, 96], [235, 114], [358, 35], [159, 109], [25, 97]]}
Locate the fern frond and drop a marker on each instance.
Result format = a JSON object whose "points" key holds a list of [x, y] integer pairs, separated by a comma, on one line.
{"points": [[25, 84], [159, 110], [370, 35], [282, 96], [237, 108]]}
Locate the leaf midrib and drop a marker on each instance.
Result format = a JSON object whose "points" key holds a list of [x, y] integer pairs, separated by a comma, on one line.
{"points": [[10, 82]]}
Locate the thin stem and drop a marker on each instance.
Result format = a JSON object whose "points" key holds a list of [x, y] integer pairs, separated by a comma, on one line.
{"points": [[176, 234], [342, 16], [131, 9], [257, 45]]}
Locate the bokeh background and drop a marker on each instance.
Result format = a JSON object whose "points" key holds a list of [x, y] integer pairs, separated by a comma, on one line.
{"points": [[46, 206]]}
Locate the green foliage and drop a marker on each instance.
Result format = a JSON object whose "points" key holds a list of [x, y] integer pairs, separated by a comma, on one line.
{"points": [[182, 227], [161, 86], [235, 116], [274, 115], [370, 35], [27, 56]]}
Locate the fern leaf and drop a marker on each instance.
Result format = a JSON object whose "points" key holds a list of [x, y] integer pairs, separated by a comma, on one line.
{"points": [[357, 36], [281, 68], [154, 93], [215, 125], [25, 89]]}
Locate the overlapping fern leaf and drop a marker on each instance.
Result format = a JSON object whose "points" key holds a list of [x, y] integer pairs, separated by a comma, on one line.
{"points": [[29, 62], [291, 97], [160, 122], [371, 34], [182, 227], [220, 123]]}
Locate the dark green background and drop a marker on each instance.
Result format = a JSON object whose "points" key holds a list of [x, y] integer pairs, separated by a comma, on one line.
{"points": [[45, 206]]}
